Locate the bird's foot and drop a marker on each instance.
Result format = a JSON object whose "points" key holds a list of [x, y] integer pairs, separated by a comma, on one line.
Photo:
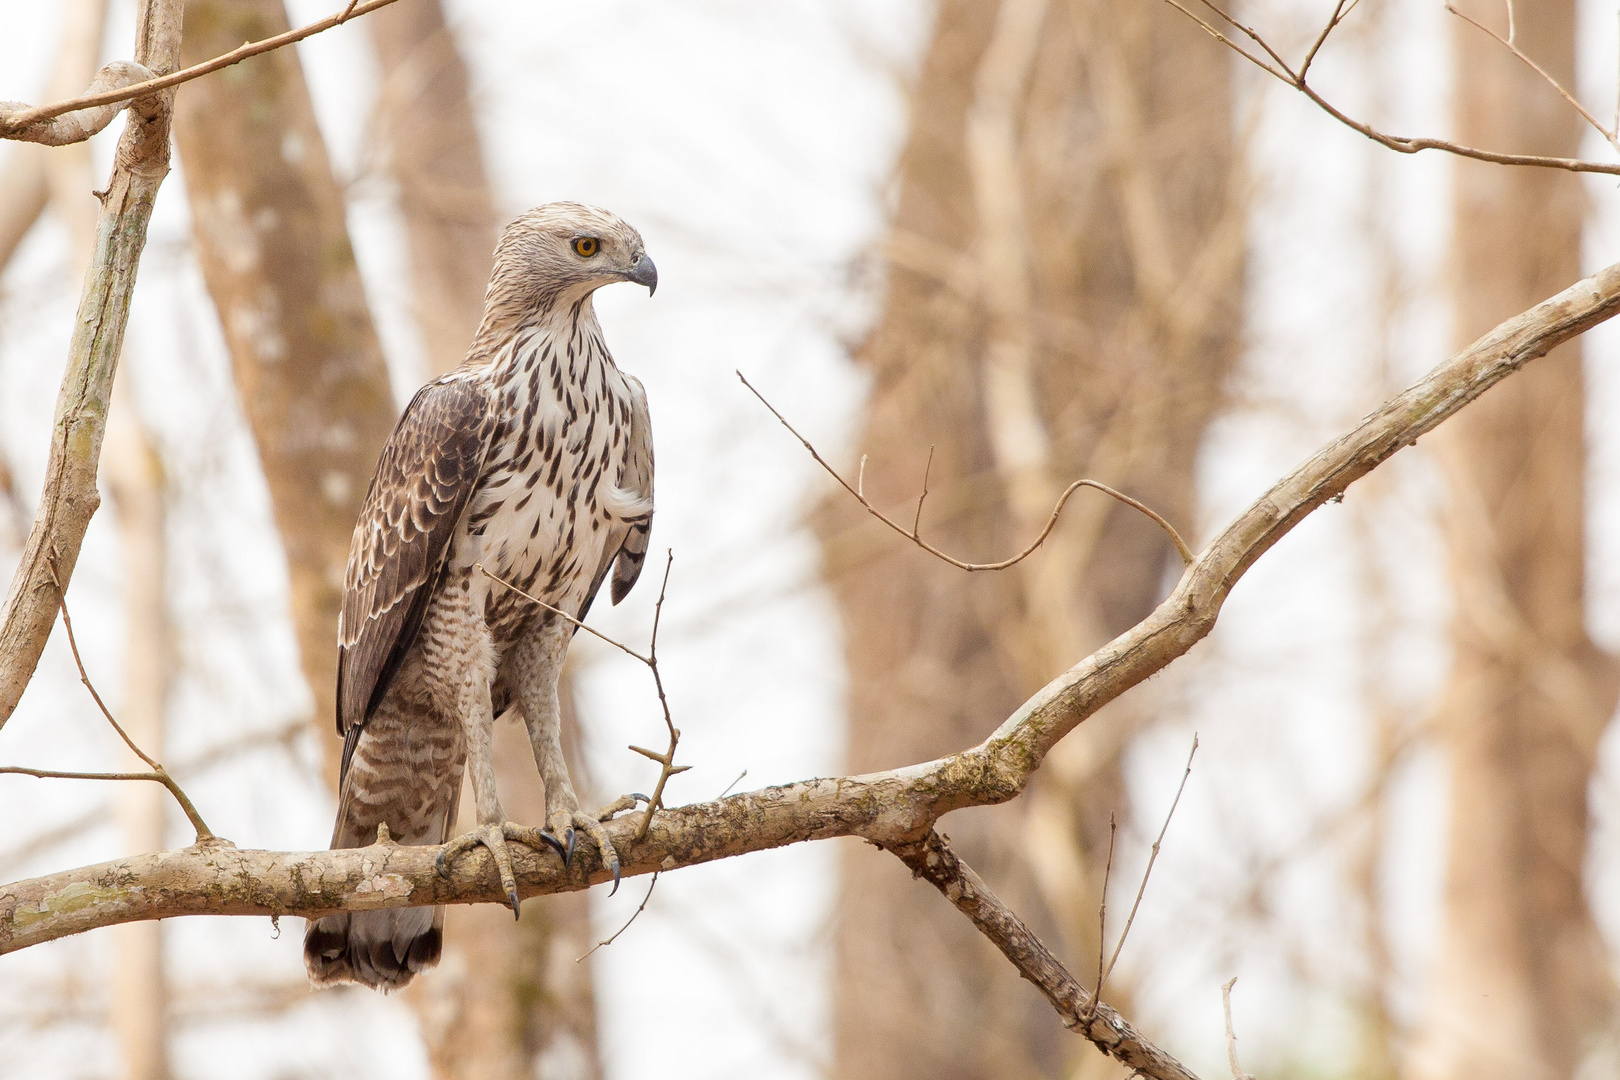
{"points": [[563, 821], [494, 837]]}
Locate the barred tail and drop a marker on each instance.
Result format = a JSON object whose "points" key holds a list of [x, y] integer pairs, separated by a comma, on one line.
{"points": [[380, 949]]}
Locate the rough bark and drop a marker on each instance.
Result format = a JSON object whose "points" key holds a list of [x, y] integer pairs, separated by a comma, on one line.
{"points": [[897, 808], [1529, 694], [1064, 277], [510, 993], [70, 496], [269, 227]]}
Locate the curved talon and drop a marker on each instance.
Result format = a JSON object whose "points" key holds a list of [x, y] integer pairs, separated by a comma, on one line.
{"points": [[568, 856], [614, 866], [438, 862], [555, 845]]}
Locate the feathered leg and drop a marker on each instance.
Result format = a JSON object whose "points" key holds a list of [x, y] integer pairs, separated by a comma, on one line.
{"points": [[472, 674], [532, 671]]}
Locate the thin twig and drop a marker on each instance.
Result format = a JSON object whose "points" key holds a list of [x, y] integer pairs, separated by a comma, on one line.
{"points": [[1401, 144], [916, 522], [666, 760], [1231, 1036], [915, 538], [731, 785], [27, 117], [615, 935], [1102, 915], [1507, 43], [1339, 12], [621, 646], [158, 773], [1153, 857]]}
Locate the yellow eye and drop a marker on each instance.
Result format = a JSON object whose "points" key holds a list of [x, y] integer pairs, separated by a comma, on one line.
{"points": [[586, 246]]}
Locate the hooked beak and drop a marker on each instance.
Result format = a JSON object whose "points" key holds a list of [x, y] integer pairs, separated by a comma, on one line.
{"points": [[643, 272]]}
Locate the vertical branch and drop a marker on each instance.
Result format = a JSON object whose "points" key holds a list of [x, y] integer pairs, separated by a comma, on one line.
{"points": [[70, 496]]}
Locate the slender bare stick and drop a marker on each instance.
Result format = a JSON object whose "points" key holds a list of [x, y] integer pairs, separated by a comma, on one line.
{"points": [[611, 938], [158, 773], [1507, 43], [1153, 857], [1231, 1036], [1401, 144], [912, 535], [1102, 912]]}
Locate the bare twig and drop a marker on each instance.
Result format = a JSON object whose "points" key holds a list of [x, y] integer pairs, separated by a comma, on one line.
{"points": [[733, 784], [611, 938], [1609, 134], [1153, 857], [1231, 1036], [912, 534], [1279, 69], [666, 760], [14, 124], [158, 773], [932, 859], [1102, 913]]}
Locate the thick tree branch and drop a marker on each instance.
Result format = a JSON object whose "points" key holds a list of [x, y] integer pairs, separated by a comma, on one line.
{"points": [[894, 808], [70, 495], [120, 83], [933, 860]]}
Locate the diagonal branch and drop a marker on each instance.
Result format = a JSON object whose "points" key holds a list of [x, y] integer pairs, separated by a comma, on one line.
{"points": [[119, 83], [933, 860], [896, 808]]}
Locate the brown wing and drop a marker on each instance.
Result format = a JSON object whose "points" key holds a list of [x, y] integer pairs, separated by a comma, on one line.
{"points": [[424, 480]]}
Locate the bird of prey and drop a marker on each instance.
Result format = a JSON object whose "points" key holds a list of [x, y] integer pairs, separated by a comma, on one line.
{"points": [[532, 461]]}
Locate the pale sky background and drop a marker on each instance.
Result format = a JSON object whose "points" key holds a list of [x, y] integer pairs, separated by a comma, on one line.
{"points": [[752, 145]]}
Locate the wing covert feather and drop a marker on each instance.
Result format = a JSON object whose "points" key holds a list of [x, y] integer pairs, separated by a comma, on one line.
{"points": [[425, 477], [638, 483]]}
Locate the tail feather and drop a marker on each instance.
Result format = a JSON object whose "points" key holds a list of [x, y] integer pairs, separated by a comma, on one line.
{"points": [[380, 949], [383, 949]]}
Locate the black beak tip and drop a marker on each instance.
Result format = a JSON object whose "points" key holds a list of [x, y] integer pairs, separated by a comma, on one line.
{"points": [[643, 272]]}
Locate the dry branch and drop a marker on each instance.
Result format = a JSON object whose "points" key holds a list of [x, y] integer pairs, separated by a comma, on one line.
{"points": [[933, 860], [70, 495], [1280, 69], [120, 83], [896, 807]]}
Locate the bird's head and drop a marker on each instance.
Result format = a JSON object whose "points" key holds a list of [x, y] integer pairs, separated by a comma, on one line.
{"points": [[564, 252]]}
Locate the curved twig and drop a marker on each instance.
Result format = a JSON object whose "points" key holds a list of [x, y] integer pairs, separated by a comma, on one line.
{"points": [[858, 492], [16, 124], [1401, 144]]}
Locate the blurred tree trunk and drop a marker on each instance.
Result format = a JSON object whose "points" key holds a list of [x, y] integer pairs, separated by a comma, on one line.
{"points": [[509, 1002], [270, 233], [1063, 300], [1523, 975]]}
